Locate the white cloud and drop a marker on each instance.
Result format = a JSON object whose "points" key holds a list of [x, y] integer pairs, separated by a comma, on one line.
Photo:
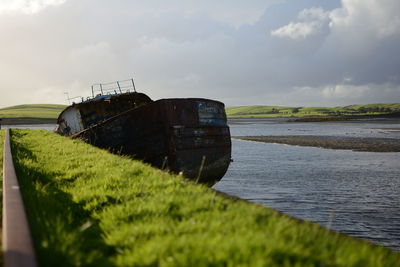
{"points": [[298, 30], [360, 28], [27, 6], [355, 22], [367, 18], [313, 20]]}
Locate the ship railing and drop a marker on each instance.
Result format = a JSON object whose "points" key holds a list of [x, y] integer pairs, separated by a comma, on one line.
{"points": [[116, 87]]}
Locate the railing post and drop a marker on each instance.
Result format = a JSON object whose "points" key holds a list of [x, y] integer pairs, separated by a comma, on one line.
{"points": [[119, 87], [17, 242], [133, 83]]}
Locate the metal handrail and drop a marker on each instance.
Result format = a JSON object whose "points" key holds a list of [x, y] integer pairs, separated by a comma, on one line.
{"points": [[17, 241], [113, 86], [121, 86]]}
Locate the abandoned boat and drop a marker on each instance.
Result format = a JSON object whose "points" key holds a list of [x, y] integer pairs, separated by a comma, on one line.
{"points": [[184, 135]]}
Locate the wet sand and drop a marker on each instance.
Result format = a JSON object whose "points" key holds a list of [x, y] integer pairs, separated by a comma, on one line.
{"points": [[332, 142]]}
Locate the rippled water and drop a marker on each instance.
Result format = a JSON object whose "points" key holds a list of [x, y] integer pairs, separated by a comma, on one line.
{"points": [[381, 128], [357, 193]]}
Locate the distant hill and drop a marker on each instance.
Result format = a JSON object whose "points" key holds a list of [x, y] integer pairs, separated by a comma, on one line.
{"points": [[277, 111], [34, 113], [48, 113]]}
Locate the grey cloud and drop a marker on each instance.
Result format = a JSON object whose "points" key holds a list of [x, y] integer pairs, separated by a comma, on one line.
{"points": [[200, 49]]}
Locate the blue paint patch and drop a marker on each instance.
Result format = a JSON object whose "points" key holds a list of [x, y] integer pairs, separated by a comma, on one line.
{"points": [[211, 113]]}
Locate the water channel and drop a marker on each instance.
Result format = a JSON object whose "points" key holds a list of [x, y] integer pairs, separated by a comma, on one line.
{"points": [[357, 193]]}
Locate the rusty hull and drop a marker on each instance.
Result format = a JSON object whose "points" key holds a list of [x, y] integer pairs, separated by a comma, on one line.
{"points": [[183, 135]]}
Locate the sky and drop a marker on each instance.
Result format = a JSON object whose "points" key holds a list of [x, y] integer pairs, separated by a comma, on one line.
{"points": [[241, 52]]}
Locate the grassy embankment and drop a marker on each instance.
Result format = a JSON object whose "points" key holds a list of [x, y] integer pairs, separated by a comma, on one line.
{"points": [[340, 112], [31, 114], [89, 207]]}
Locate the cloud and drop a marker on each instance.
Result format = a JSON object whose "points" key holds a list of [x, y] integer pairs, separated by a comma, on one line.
{"points": [[27, 6], [352, 52], [167, 47], [264, 52], [372, 18], [313, 21], [298, 30]]}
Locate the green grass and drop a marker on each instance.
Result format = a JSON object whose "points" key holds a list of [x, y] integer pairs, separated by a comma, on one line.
{"points": [[88, 207], [276, 111], [42, 111], [51, 111]]}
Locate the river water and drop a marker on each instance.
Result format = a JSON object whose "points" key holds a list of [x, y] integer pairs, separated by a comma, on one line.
{"points": [[357, 193], [49, 127]]}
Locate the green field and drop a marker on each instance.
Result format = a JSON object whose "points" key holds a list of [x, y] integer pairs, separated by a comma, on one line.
{"points": [[276, 111], [88, 207], [42, 113], [31, 113]]}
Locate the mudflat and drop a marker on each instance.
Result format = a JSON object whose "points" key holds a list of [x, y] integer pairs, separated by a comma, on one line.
{"points": [[332, 142]]}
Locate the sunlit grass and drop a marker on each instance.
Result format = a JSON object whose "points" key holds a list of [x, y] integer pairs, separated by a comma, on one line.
{"points": [[276, 111], [43, 111], [89, 207]]}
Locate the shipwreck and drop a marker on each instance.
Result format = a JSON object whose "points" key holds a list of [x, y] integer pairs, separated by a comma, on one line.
{"points": [[189, 136]]}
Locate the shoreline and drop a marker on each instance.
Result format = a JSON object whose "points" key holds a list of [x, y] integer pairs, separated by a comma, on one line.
{"points": [[29, 120], [25, 121], [348, 118], [357, 144], [320, 118]]}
